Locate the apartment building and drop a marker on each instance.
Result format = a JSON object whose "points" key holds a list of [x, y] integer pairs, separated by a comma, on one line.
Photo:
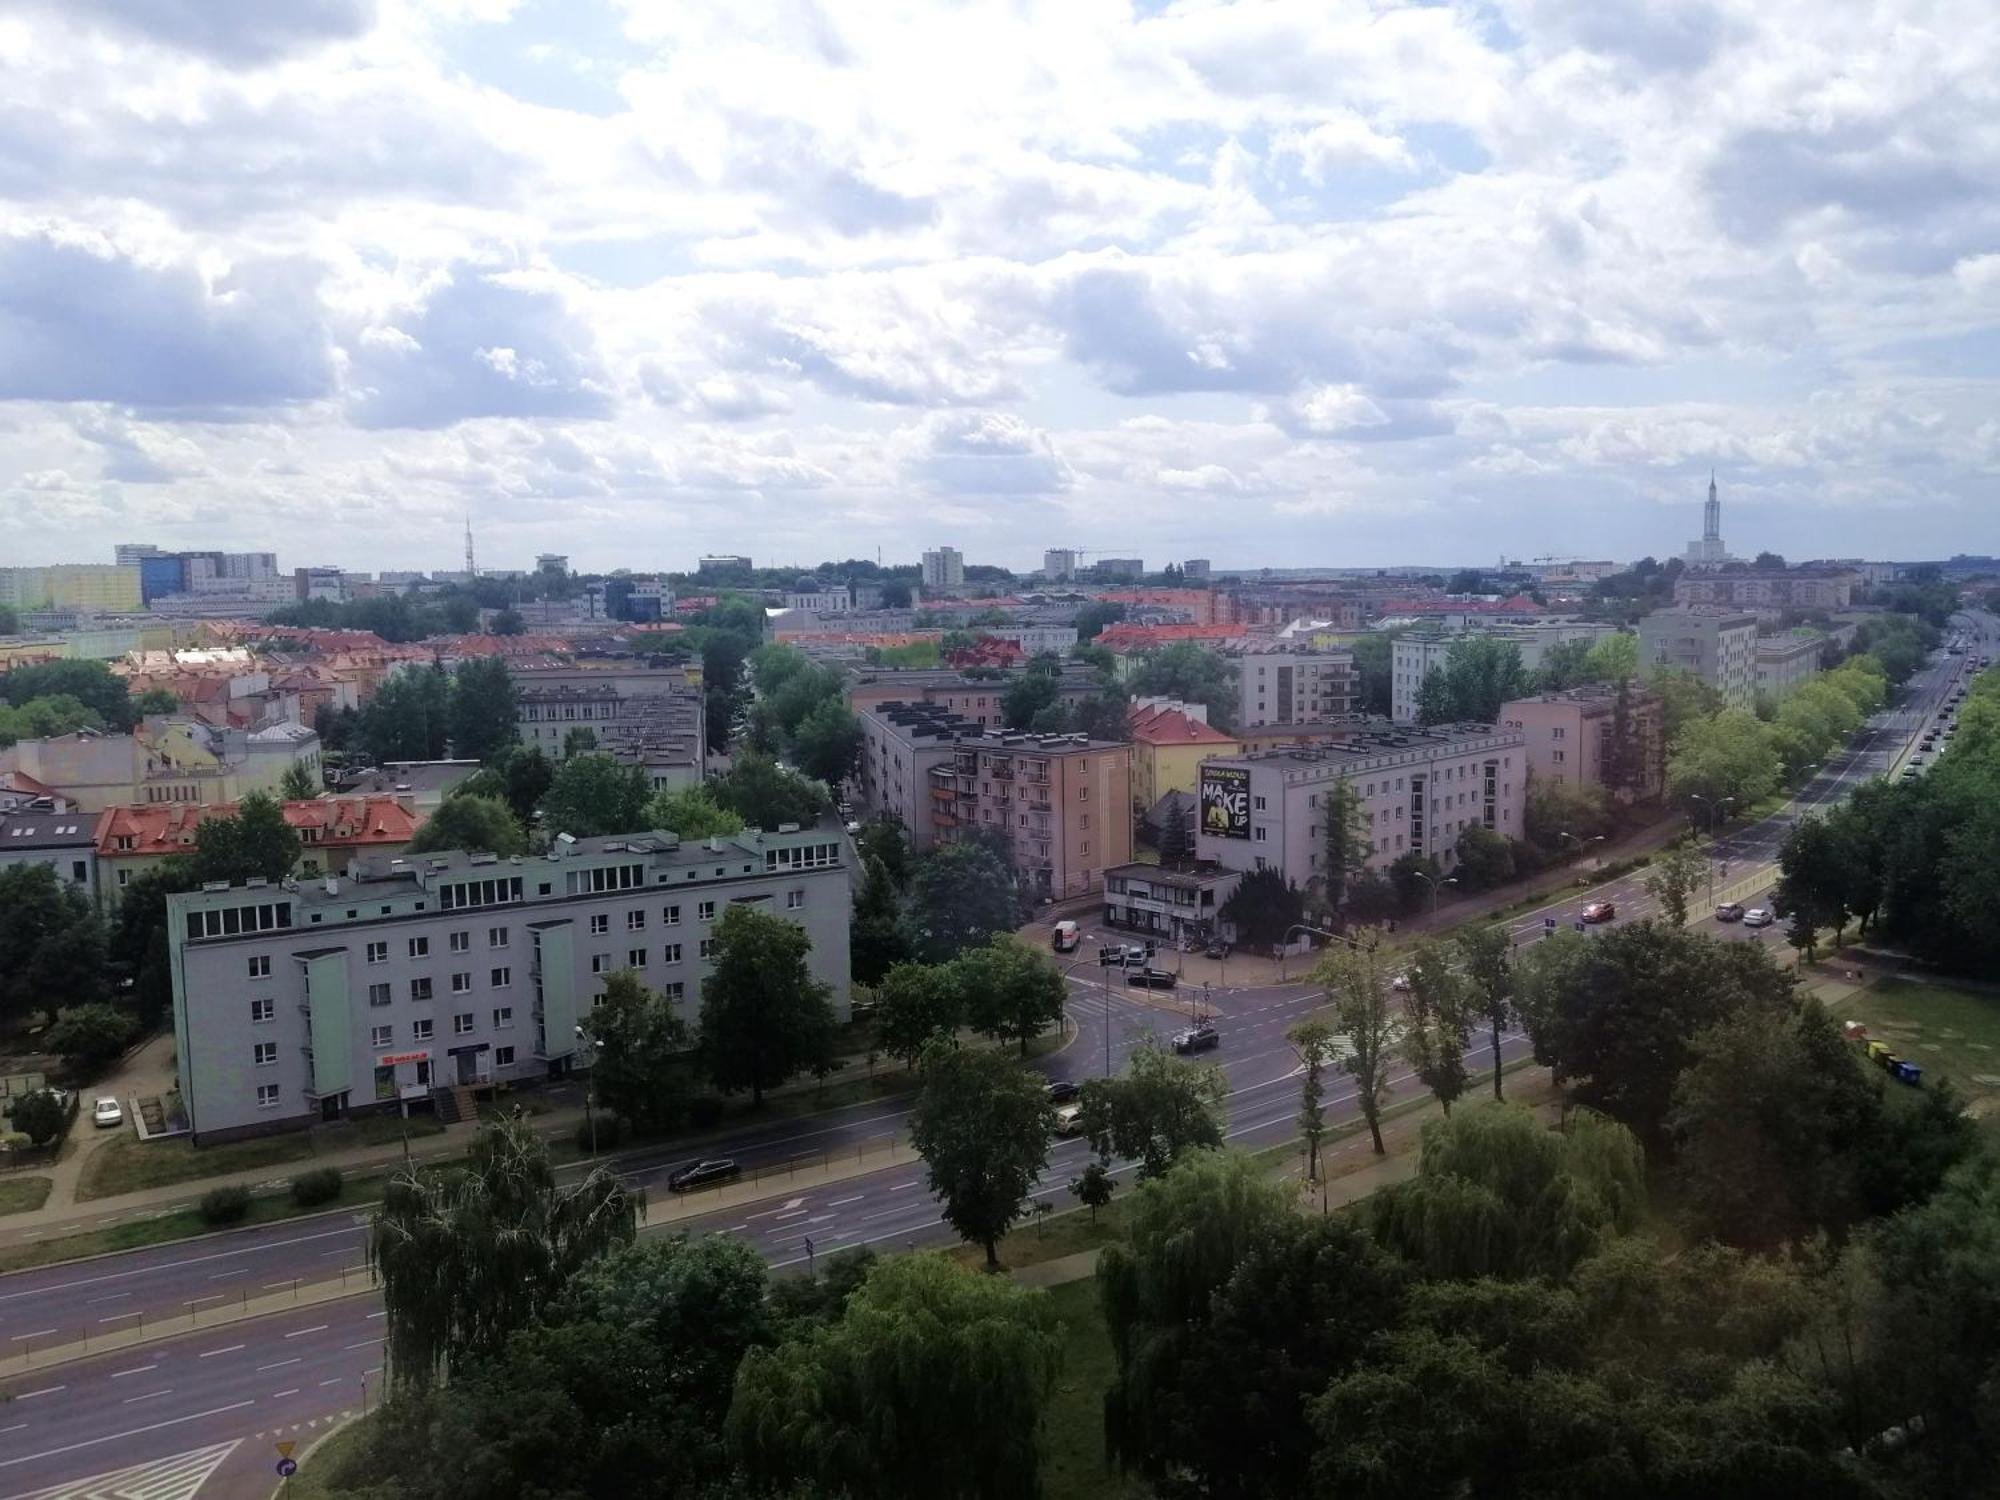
{"points": [[88, 588], [650, 716], [1771, 591], [333, 832], [164, 760], [1417, 790], [314, 1000], [1060, 804], [1572, 737], [944, 570], [1717, 645], [40, 831], [1421, 652], [1786, 663], [1289, 682], [1169, 743], [977, 699]]}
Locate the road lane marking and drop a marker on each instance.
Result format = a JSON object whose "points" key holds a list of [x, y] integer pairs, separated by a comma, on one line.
{"points": [[135, 1370], [299, 1333], [211, 1353], [239, 1271], [897, 1187], [335, 1381], [278, 1366], [363, 1344], [174, 1265], [15, 1428], [47, 1390], [111, 1297], [839, 1201], [115, 1437], [292, 1392], [147, 1397], [38, 1333], [382, 1314]]}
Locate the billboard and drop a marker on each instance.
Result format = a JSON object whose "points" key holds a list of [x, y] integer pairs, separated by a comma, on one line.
{"points": [[1225, 802]]}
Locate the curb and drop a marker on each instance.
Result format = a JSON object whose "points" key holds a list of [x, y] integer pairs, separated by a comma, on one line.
{"points": [[341, 1424]]}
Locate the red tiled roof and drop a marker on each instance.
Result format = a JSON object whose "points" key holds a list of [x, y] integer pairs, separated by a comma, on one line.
{"points": [[340, 822], [1169, 726], [1124, 637]]}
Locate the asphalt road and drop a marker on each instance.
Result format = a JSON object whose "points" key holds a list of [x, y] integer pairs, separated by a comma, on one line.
{"points": [[203, 1407]]}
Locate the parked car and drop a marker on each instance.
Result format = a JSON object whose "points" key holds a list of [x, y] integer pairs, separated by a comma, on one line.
{"points": [[107, 1112], [1062, 1090], [1197, 1039], [1599, 911], [1217, 948], [1729, 911], [703, 1173], [1151, 979], [1758, 916], [1064, 936], [1069, 1120]]}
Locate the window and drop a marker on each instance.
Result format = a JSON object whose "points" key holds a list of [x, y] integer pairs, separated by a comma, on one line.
{"points": [[420, 947], [674, 991], [1257, 804], [635, 958], [124, 877], [1083, 821], [600, 963], [708, 947], [461, 1024], [267, 1096], [262, 1011], [1556, 756], [378, 994], [1261, 834], [378, 953], [266, 1054], [503, 1016], [600, 923], [705, 912], [381, 1036], [496, 937], [461, 942], [1082, 792], [794, 900], [420, 1031], [503, 1057], [461, 983], [635, 921], [260, 967], [420, 989], [671, 954], [671, 915]]}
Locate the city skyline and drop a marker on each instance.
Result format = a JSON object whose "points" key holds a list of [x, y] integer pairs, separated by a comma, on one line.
{"points": [[1411, 285]]}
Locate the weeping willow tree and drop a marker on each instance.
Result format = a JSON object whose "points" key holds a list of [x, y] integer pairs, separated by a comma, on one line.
{"points": [[1497, 1194], [465, 1259]]}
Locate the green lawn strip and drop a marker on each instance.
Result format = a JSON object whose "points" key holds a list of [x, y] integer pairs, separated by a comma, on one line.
{"points": [[1946, 1031], [314, 1481], [181, 1224], [19, 1195], [129, 1165], [1074, 1465]]}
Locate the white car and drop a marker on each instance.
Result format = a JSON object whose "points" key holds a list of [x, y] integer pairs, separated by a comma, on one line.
{"points": [[1758, 916], [107, 1112]]}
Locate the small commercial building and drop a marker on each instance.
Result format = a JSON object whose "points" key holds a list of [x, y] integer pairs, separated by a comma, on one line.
{"points": [[1168, 905]]}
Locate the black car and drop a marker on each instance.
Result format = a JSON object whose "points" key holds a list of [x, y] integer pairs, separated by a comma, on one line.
{"points": [[1062, 1090], [1150, 979], [703, 1174], [1197, 1039], [1216, 949]]}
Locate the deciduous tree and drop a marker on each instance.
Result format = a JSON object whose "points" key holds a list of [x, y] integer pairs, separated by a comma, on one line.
{"points": [[981, 1123], [637, 1042], [1313, 1045], [483, 710], [485, 824], [961, 897], [1162, 1108], [1677, 873], [1440, 1009], [693, 813], [1011, 992], [764, 1017], [915, 1004], [594, 795], [1358, 989], [1487, 954], [254, 843]]}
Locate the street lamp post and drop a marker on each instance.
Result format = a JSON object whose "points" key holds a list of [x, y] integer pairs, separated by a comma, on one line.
{"points": [[1434, 882], [589, 1097], [1580, 842]]}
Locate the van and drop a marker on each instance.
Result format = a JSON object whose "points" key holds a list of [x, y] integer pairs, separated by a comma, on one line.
{"points": [[1064, 936]]}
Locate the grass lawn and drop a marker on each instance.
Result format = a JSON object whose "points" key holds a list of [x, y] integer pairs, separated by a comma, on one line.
{"points": [[19, 1195], [312, 1480], [1948, 1032], [126, 1164], [1073, 1464], [179, 1225]]}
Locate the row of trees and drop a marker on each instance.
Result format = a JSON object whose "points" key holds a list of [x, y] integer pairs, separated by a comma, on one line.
{"points": [[1912, 861], [1736, 756], [427, 713], [801, 713], [61, 697]]}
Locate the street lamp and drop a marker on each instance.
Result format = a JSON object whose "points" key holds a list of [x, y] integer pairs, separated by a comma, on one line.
{"points": [[1104, 968], [1580, 842], [589, 1095], [1434, 882]]}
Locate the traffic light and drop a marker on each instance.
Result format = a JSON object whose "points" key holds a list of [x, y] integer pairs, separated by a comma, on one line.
{"points": [[1106, 957]]}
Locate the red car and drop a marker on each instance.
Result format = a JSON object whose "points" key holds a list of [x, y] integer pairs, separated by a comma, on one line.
{"points": [[1599, 911]]}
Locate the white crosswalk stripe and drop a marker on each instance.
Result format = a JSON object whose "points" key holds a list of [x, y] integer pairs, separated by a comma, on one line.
{"points": [[177, 1478]]}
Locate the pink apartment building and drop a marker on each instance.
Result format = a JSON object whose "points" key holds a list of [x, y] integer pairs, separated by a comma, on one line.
{"points": [[1569, 736]]}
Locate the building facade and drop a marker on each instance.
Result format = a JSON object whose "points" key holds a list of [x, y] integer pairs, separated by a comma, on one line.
{"points": [[333, 832], [36, 832], [1168, 746], [1785, 663], [315, 1000], [1173, 905], [977, 699], [944, 571], [1572, 737], [1417, 790], [1717, 645], [1059, 565], [164, 760], [1775, 591], [1060, 804], [1414, 656], [1290, 683], [87, 588], [650, 716]]}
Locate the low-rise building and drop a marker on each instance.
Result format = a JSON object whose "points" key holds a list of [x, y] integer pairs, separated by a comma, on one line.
{"points": [[423, 784], [1574, 737], [641, 715], [975, 698], [333, 832], [1289, 682], [164, 760], [313, 1000], [1786, 663], [1414, 656], [1719, 646], [1169, 743], [1060, 804], [1170, 905], [40, 831], [1772, 591], [1417, 791]]}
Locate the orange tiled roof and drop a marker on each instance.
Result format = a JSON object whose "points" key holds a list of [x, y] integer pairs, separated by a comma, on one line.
{"points": [[1123, 637], [337, 822], [1169, 726]]}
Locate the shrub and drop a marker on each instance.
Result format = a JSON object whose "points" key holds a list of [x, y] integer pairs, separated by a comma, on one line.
{"points": [[225, 1205], [320, 1185], [40, 1116], [90, 1036], [609, 1130]]}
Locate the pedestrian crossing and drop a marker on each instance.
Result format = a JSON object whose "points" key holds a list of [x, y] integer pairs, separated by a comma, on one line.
{"points": [[179, 1477]]}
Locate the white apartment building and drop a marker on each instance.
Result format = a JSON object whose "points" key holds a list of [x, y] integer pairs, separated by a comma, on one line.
{"points": [[1786, 663], [1717, 645], [944, 570], [1416, 655], [1289, 682]]}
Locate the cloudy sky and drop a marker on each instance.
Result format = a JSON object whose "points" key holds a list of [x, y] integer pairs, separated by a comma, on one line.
{"points": [[1303, 281]]}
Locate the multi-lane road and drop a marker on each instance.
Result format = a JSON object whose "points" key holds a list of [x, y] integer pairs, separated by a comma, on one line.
{"points": [[202, 1409]]}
